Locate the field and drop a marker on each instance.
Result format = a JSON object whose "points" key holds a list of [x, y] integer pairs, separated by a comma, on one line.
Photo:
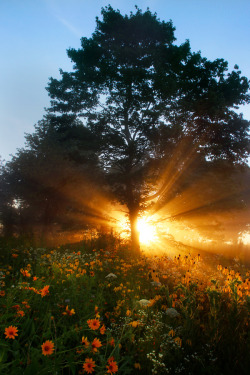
{"points": [[98, 310]]}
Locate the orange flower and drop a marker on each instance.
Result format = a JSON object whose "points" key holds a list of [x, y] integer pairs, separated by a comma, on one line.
{"points": [[11, 332], [20, 312], [112, 367], [134, 324], [102, 329], [93, 323], [111, 342], [47, 347], [96, 344], [25, 273], [68, 311], [89, 365], [44, 291], [85, 341], [35, 278], [178, 341], [2, 293], [25, 303], [14, 255]]}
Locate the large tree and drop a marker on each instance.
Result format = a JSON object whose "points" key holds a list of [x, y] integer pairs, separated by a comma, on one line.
{"points": [[151, 104]]}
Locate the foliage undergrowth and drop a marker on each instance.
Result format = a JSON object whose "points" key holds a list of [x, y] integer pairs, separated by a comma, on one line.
{"points": [[101, 311]]}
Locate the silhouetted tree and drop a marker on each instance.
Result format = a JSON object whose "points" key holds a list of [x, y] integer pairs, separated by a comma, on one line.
{"points": [[150, 103], [45, 187]]}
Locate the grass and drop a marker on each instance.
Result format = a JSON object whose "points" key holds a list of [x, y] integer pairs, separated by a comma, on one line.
{"points": [[101, 311]]}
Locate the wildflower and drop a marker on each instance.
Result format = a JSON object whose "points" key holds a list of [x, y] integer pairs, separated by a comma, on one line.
{"points": [[25, 273], [171, 333], [11, 332], [47, 347], [2, 293], [144, 302], [85, 341], [25, 303], [128, 312], [35, 278], [111, 276], [112, 367], [134, 324], [20, 313], [93, 324], [102, 329], [96, 344], [111, 342], [14, 255], [178, 341], [68, 311], [89, 365], [44, 291], [172, 313]]}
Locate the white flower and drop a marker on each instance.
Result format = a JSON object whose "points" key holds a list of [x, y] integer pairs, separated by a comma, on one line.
{"points": [[111, 276], [172, 313], [155, 283], [144, 302]]}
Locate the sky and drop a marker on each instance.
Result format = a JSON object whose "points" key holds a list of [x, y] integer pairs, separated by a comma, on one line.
{"points": [[35, 34]]}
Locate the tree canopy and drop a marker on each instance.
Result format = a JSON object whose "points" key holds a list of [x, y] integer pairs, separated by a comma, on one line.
{"points": [[149, 101]]}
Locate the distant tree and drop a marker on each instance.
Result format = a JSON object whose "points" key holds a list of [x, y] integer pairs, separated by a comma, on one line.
{"points": [[150, 103], [45, 187]]}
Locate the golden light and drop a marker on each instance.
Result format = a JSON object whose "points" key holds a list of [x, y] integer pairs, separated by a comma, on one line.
{"points": [[147, 231]]}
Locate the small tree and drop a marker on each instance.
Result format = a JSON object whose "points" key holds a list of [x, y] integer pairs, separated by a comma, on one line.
{"points": [[150, 102]]}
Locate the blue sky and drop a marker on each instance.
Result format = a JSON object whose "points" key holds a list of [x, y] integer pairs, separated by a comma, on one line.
{"points": [[34, 36]]}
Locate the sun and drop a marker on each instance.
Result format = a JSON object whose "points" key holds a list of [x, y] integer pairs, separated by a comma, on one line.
{"points": [[147, 231], [146, 228]]}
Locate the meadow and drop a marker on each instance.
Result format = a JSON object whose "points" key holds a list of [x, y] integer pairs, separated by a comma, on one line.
{"points": [[96, 309]]}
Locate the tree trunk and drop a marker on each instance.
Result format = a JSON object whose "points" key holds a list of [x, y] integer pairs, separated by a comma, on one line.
{"points": [[135, 243]]}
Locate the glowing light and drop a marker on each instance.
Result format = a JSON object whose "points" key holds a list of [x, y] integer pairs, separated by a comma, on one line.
{"points": [[245, 238], [147, 231]]}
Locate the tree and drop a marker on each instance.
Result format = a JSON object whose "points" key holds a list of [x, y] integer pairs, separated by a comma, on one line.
{"points": [[45, 190], [150, 103]]}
